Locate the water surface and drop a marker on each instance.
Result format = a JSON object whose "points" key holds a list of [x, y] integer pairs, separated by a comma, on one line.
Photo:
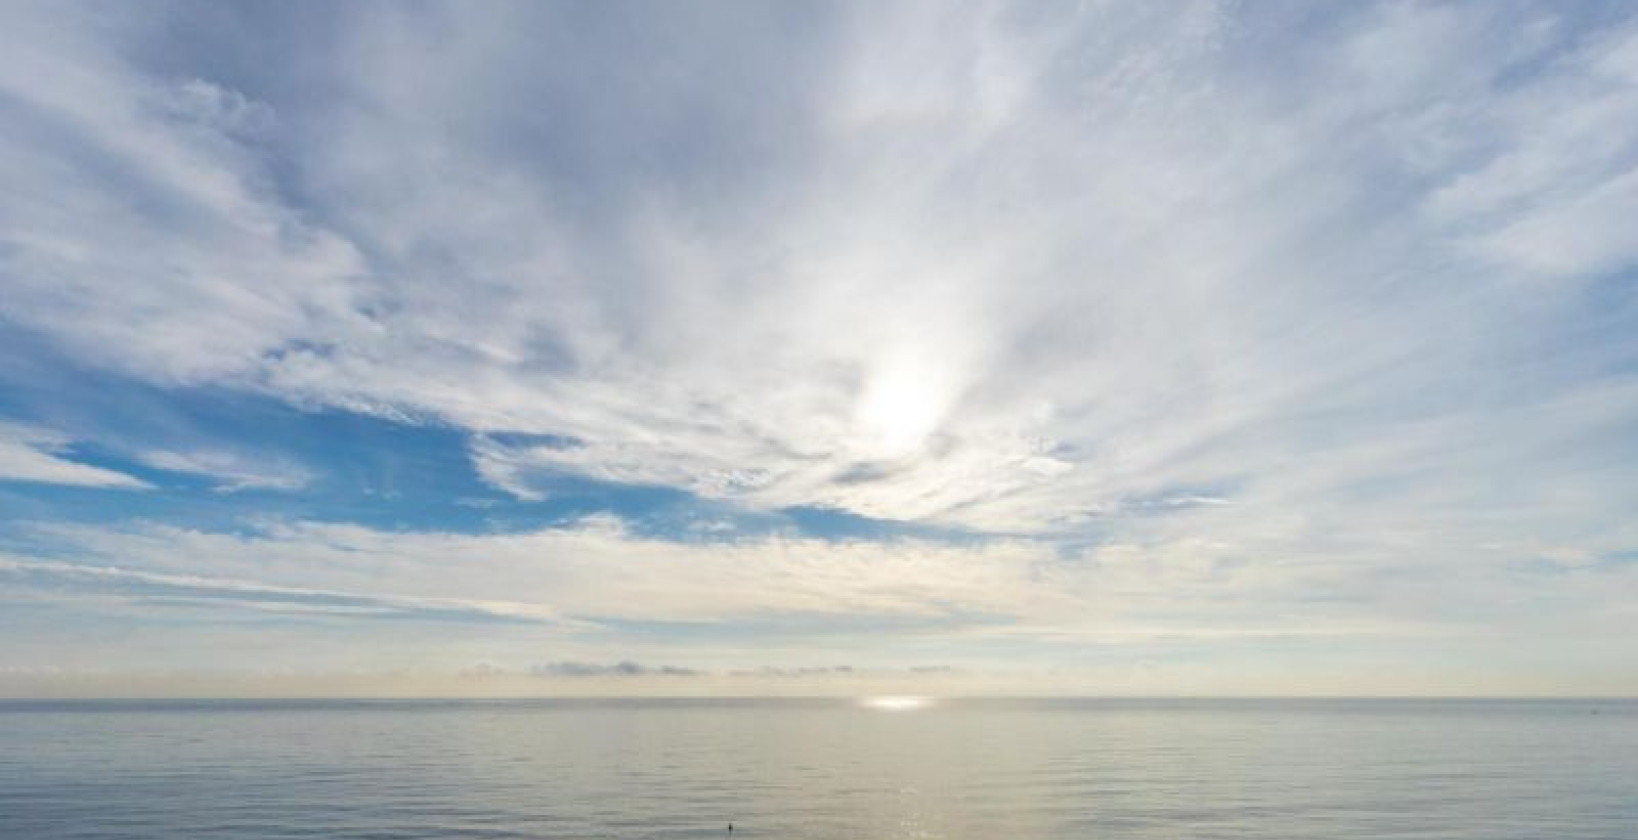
{"points": [[820, 770]]}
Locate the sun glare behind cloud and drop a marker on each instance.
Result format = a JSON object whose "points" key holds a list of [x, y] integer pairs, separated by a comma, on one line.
{"points": [[898, 412]]}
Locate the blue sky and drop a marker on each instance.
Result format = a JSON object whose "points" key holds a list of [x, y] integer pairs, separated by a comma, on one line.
{"points": [[1146, 348]]}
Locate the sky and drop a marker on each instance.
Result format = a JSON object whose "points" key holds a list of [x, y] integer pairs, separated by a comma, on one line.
{"points": [[822, 348]]}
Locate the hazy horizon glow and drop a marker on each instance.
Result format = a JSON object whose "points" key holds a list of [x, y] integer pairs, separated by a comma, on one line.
{"points": [[858, 349]]}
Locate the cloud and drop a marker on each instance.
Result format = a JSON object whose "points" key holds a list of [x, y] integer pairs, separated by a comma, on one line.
{"points": [[1234, 611], [806, 671], [625, 668], [1161, 585], [595, 570], [996, 270], [233, 471], [182, 589], [29, 453]]}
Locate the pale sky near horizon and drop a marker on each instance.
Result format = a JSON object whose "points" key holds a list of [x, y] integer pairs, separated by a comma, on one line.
{"points": [[1110, 348]]}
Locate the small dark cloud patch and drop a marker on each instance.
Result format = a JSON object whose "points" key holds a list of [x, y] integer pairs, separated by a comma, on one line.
{"points": [[628, 668], [768, 671], [625, 668], [865, 473]]}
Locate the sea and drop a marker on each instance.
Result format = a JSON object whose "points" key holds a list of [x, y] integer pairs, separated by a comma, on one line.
{"points": [[834, 769]]}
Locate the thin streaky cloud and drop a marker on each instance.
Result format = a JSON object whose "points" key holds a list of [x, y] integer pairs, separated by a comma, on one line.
{"points": [[34, 454]]}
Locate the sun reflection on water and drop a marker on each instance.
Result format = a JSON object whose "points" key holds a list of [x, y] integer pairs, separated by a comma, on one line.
{"points": [[896, 703]]}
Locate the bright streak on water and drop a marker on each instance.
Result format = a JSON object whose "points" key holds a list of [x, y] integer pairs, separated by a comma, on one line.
{"points": [[820, 770], [896, 704]]}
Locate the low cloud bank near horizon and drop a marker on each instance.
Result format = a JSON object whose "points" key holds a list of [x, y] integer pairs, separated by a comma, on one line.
{"points": [[1137, 679], [623, 668]]}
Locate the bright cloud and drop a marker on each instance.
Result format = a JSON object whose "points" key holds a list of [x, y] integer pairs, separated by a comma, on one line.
{"points": [[233, 471], [34, 454], [990, 269]]}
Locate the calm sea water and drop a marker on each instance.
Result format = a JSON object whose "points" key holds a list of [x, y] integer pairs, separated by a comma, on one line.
{"points": [[822, 770]]}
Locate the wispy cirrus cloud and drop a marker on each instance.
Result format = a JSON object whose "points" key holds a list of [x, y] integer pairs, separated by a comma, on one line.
{"points": [[599, 592], [995, 269], [231, 471], [162, 590], [30, 453]]}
